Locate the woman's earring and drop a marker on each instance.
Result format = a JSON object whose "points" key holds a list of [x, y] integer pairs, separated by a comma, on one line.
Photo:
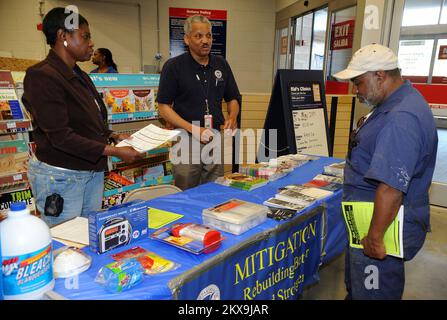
{"points": [[65, 43]]}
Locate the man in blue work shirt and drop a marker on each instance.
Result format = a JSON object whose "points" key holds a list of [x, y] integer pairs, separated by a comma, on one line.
{"points": [[390, 162]]}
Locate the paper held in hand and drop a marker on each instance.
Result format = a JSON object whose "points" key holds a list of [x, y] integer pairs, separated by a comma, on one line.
{"points": [[358, 217], [148, 138]]}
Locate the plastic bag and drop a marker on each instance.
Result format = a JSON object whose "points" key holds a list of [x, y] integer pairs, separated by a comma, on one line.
{"points": [[121, 275], [150, 261]]}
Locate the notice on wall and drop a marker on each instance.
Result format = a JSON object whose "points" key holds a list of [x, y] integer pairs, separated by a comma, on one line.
{"points": [[310, 131], [305, 95], [442, 53], [342, 35], [177, 17]]}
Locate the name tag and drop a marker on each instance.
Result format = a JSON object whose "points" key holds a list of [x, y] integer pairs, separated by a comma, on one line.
{"points": [[208, 121]]}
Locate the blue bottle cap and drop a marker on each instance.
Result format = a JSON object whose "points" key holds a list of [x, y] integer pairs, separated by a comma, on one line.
{"points": [[18, 206]]}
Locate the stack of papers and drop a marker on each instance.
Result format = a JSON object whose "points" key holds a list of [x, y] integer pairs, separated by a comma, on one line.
{"points": [[148, 138], [358, 216], [325, 177], [74, 232], [316, 193], [335, 169]]}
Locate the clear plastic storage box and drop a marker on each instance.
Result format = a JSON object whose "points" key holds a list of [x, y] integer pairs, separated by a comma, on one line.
{"points": [[235, 216]]}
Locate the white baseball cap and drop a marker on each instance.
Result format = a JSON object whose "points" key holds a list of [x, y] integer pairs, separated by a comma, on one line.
{"points": [[373, 57]]}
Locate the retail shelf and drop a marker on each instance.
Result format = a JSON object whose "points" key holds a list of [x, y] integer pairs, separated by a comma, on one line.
{"points": [[150, 154], [132, 116], [13, 126], [13, 179]]}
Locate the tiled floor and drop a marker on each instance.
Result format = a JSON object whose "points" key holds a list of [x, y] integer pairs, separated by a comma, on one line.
{"points": [[425, 275]]}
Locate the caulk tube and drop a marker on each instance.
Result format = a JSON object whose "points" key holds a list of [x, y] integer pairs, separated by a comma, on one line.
{"points": [[197, 232]]}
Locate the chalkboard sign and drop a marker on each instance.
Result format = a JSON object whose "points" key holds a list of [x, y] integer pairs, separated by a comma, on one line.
{"points": [[297, 110]]}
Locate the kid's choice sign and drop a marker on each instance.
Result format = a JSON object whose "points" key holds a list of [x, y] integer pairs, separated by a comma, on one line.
{"points": [[342, 35]]}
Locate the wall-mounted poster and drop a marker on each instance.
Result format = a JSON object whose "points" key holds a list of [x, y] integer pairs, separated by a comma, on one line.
{"points": [[305, 95], [177, 17], [442, 53]]}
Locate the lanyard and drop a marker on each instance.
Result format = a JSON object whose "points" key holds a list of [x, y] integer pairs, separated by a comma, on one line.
{"points": [[92, 95], [205, 93]]}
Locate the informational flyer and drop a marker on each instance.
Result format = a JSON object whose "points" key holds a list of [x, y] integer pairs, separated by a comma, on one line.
{"points": [[305, 95], [310, 131], [148, 138], [358, 216], [177, 17]]}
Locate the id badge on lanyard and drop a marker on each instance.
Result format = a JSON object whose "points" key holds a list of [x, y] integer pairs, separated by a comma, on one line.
{"points": [[208, 121], [208, 118]]}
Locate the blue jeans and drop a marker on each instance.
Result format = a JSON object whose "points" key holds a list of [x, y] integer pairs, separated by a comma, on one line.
{"points": [[82, 191]]}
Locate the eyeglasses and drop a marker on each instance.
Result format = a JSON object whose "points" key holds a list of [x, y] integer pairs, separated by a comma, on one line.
{"points": [[353, 141]]}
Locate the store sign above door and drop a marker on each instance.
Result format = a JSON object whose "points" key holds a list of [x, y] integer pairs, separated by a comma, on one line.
{"points": [[342, 35]]}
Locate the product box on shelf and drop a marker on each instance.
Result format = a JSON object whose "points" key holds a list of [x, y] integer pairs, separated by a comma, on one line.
{"points": [[9, 104], [117, 226], [126, 100], [13, 157], [8, 197]]}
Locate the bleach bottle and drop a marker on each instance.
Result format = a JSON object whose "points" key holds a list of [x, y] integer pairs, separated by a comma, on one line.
{"points": [[27, 259]]}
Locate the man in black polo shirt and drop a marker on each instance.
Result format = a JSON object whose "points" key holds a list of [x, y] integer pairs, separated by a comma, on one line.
{"points": [[190, 95]]}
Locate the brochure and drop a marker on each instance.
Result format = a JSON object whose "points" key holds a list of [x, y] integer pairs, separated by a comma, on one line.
{"points": [[335, 169], [290, 195], [316, 193], [148, 138], [277, 203], [329, 178], [358, 217], [159, 218]]}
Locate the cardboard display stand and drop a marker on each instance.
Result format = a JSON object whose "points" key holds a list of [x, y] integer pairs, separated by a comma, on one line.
{"points": [[297, 110]]}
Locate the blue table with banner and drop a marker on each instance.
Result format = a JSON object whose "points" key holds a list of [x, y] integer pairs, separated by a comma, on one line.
{"points": [[274, 260]]}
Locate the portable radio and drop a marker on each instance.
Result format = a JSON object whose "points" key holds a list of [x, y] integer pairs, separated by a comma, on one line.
{"points": [[114, 233]]}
